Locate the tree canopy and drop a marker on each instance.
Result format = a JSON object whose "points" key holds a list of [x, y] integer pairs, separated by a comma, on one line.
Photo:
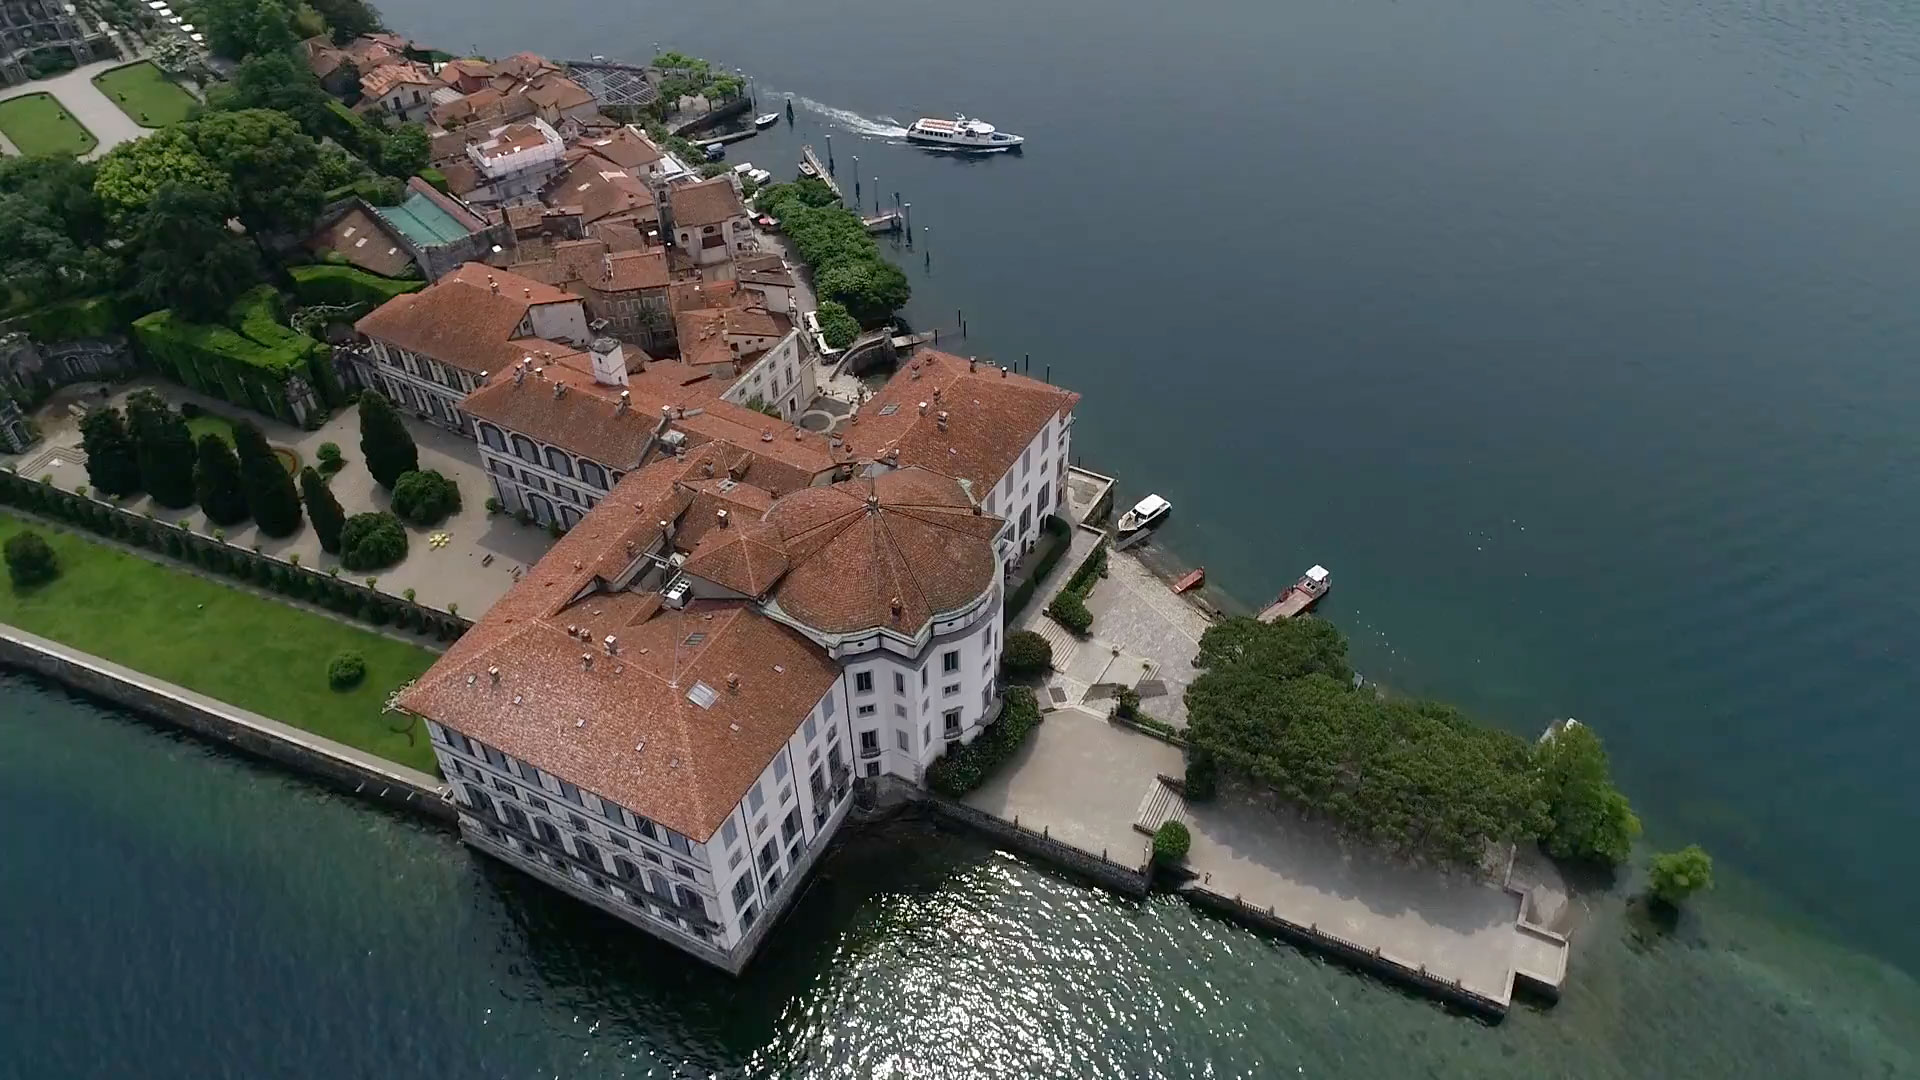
{"points": [[1676, 875], [216, 481], [131, 174], [275, 81], [189, 260], [348, 19], [385, 444], [405, 151], [269, 491], [164, 449], [271, 167], [238, 29], [322, 509], [846, 263], [113, 467], [1275, 705]]}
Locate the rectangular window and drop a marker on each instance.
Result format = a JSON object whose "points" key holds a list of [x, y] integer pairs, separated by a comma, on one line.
{"points": [[950, 661], [756, 798], [730, 833], [923, 678], [679, 843], [951, 718], [827, 707], [538, 803], [811, 728], [899, 683], [619, 841], [790, 827], [769, 856], [950, 690], [1026, 460], [864, 710], [780, 768], [903, 740], [611, 811], [494, 757], [869, 743], [1046, 497], [733, 861], [1046, 436], [742, 891], [506, 787], [926, 733], [747, 917], [863, 682], [569, 792], [900, 711]]}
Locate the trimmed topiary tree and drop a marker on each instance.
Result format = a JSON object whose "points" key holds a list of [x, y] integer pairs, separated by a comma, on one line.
{"points": [[30, 562], [1070, 611], [323, 510], [216, 481], [331, 460], [425, 498], [113, 465], [385, 442], [1170, 843], [269, 490], [1027, 653], [346, 671], [164, 449], [372, 541]]}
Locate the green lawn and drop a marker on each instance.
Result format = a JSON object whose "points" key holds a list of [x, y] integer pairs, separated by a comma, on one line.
{"points": [[145, 94], [243, 649], [37, 124], [209, 424]]}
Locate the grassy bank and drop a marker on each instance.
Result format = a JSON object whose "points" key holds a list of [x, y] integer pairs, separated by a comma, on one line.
{"points": [[243, 649], [37, 124]]}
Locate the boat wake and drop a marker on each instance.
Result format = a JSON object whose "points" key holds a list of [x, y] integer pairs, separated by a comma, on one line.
{"points": [[879, 127]]}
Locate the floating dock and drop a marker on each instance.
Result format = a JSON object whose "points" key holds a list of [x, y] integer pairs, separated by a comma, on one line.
{"points": [[889, 222], [820, 170], [1304, 594]]}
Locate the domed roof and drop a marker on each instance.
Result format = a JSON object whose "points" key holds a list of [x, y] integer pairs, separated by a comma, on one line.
{"points": [[890, 551]]}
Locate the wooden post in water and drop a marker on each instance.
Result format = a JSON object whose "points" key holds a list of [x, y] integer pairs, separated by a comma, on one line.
{"points": [[830, 155], [856, 183], [907, 222]]}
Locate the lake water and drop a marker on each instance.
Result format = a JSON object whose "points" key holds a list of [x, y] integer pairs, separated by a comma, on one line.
{"points": [[1578, 339]]}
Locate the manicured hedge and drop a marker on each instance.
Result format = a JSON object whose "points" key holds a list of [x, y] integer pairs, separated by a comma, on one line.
{"points": [[323, 284], [965, 767], [90, 317]]}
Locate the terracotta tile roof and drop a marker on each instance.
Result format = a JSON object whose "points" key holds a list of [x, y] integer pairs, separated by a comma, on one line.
{"points": [[708, 202], [624, 147], [687, 296], [524, 66], [383, 79], [644, 742], [465, 67], [621, 236], [579, 420], [991, 417], [590, 264], [556, 91], [484, 104], [747, 558], [462, 319], [757, 322], [702, 333], [512, 139], [892, 550], [322, 58], [603, 189], [760, 262], [462, 177], [366, 242]]}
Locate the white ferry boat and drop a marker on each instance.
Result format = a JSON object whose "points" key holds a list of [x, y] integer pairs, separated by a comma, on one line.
{"points": [[961, 133]]}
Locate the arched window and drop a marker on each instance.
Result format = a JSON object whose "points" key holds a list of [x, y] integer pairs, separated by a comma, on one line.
{"points": [[593, 474], [524, 449], [541, 507], [559, 462], [569, 517], [544, 829], [492, 436]]}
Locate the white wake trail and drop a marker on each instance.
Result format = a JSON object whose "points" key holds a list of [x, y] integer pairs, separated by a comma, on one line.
{"points": [[881, 127]]}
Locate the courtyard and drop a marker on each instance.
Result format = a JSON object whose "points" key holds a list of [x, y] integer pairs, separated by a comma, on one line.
{"points": [[145, 94], [480, 558], [38, 124]]}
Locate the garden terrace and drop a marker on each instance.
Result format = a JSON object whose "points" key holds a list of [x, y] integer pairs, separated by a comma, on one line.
{"points": [[145, 94]]}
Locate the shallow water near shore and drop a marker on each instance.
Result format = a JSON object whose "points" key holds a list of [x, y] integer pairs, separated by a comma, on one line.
{"points": [[176, 911]]}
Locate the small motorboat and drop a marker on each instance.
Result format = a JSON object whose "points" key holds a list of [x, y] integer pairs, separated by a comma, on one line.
{"points": [[1144, 514], [807, 170], [766, 120], [1191, 580], [715, 150], [759, 176], [1304, 594]]}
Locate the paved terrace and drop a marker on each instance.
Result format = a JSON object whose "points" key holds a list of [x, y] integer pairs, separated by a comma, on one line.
{"points": [[474, 568]]}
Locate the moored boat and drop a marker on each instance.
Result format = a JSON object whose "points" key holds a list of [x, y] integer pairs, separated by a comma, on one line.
{"points": [[1191, 580], [1302, 595], [960, 133], [807, 169], [1144, 513], [765, 120]]}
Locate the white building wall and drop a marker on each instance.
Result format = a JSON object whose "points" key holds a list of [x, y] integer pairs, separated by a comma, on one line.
{"points": [[421, 385], [559, 322], [545, 480], [1032, 486], [906, 710], [782, 377]]}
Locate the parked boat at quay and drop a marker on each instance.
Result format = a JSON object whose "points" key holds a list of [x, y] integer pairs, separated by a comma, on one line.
{"points": [[1304, 594], [1133, 524]]}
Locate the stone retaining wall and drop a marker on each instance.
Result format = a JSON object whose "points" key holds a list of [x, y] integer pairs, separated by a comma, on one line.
{"points": [[1130, 881], [339, 766], [1369, 960]]}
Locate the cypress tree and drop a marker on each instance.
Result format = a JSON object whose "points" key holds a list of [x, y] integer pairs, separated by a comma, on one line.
{"points": [[113, 468], [322, 509], [216, 482], [269, 490], [384, 441], [164, 449]]}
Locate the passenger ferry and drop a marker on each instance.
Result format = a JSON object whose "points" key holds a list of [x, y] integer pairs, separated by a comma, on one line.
{"points": [[961, 133]]}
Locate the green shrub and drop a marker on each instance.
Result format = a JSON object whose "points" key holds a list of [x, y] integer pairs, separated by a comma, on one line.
{"points": [[30, 561], [1676, 875], [965, 767], [1027, 653], [1171, 842], [331, 460], [323, 284], [346, 671], [1070, 611], [1203, 774], [1127, 703], [494, 505], [372, 541], [425, 498]]}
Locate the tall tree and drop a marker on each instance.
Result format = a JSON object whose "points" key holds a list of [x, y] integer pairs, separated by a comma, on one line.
{"points": [[1676, 875], [1588, 818], [322, 509], [65, 187], [276, 81], [385, 442], [41, 261], [270, 164], [269, 490], [113, 467], [164, 448], [348, 18], [132, 174], [238, 29], [406, 151], [189, 259], [216, 482]]}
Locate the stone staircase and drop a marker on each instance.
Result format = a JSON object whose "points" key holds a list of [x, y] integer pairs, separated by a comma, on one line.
{"points": [[1161, 805], [1062, 640]]}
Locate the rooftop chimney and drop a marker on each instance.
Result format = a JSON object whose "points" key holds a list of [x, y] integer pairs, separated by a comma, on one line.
{"points": [[766, 434], [733, 682], [973, 364], [527, 293], [609, 362], [493, 286], [586, 661], [722, 515], [1003, 371], [493, 675], [559, 388], [936, 393], [626, 399], [666, 528], [923, 408], [894, 606], [483, 376], [613, 645], [519, 374], [941, 420]]}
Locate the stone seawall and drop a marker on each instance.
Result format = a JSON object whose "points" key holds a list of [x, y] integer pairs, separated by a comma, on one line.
{"points": [[343, 767], [1129, 881], [1369, 960]]}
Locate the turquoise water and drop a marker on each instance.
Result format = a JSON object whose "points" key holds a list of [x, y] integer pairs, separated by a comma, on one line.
{"points": [[173, 911]]}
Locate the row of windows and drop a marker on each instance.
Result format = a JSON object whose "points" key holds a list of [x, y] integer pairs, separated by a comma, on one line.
{"points": [[554, 459], [628, 886], [426, 368]]}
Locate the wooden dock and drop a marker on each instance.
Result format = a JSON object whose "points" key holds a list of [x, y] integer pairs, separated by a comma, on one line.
{"points": [[820, 170], [1302, 595], [889, 222]]}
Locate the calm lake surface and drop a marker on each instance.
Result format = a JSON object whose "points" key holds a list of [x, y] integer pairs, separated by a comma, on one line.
{"points": [[1578, 339]]}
